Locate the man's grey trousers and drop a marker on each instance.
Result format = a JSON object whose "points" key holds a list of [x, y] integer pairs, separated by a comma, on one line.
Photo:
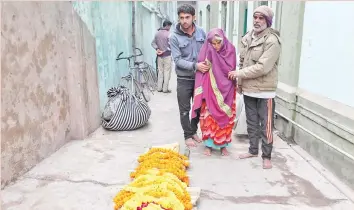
{"points": [[164, 66], [259, 115], [185, 91]]}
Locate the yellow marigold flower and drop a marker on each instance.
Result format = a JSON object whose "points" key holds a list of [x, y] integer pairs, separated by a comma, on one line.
{"points": [[159, 182], [163, 156], [162, 150]]}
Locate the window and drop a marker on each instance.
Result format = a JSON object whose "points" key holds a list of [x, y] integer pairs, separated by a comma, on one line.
{"points": [[223, 14], [264, 3], [207, 28]]}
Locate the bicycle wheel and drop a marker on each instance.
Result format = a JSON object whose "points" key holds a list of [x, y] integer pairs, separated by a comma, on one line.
{"points": [[138, 92], [148, 80], [153, 73], [146, 94], [149, 77], [143, 81]]}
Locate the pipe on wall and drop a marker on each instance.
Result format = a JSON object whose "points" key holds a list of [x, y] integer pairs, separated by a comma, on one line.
{"points": [[133, 27], [314, 135]]}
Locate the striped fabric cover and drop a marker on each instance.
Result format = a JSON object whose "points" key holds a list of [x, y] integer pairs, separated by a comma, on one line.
{"points": [[131, 113]]}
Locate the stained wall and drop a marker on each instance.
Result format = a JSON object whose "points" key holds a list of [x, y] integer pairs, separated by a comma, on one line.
{"points": [[49, 89]]}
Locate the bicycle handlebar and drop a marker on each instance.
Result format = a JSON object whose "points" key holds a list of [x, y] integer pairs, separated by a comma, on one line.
{"points": [[128, 58], [119, 55]]}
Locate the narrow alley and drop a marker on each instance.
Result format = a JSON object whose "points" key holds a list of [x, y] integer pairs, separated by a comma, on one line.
{"points": [[59, 59], [87, 174]]}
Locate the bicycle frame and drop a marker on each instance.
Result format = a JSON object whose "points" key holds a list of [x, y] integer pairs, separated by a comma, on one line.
{"points": [[135, 86], [129, 65], [139, 70]]}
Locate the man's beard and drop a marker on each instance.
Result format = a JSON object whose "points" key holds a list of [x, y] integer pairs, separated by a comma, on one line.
{"points": [[186, 26], [260, 28]]}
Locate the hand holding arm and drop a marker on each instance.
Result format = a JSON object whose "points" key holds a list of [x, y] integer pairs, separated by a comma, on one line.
{"points": [[265, 63]]}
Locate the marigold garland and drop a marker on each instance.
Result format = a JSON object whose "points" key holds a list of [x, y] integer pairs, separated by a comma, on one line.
{"points": [[159, 183], [163, 150], [163, 167], [163, 157]]}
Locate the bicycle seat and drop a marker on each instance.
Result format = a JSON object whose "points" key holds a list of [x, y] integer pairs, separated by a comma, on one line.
{"points": [[138, 62]]}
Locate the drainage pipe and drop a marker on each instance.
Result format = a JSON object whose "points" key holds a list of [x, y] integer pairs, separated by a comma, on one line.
{"points": [[316, 136], [133, 26]]}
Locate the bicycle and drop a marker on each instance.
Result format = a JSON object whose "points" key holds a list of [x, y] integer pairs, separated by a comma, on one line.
{"points": [[149, 74], [142, 83]]}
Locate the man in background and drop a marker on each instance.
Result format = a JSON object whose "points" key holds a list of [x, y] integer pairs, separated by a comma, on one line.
{"points": [[164, 60]]}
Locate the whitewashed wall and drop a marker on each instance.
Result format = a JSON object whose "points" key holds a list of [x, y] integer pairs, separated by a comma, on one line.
{"points": [[202, 20], [327, 56], [251, 7]]}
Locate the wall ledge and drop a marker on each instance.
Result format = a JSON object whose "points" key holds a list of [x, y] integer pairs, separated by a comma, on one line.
{"points": [[333, 112], [327, 118]]}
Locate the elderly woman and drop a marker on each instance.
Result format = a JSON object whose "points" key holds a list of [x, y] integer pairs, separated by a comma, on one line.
{"points": [[214, 93]]}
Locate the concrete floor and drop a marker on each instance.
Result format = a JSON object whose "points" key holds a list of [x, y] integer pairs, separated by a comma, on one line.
{"points": [[87, 174]]}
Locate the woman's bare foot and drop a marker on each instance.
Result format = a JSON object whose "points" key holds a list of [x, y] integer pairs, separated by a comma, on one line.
{"points": [[247, 155], [207, 151], [190, 143], [196, 138], [224, 152]]}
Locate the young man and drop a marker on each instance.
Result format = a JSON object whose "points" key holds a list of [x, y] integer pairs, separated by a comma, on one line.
{"points": [[185, 42], [258, 79], [162, 47]]}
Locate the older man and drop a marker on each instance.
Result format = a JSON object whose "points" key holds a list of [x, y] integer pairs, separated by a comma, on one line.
{"points": [[257, 80]]}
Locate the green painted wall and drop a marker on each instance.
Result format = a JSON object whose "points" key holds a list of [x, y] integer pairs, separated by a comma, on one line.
{"points": [[146, 26], [110, 23]]}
